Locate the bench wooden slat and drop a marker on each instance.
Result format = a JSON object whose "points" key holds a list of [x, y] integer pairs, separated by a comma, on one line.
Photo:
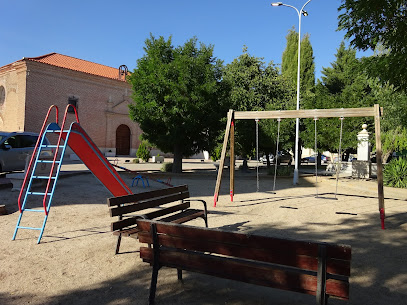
{"points": [[145, 195], [126, 222], [127, 232], [246, 271], [123, 223], [151, 203], [281, 255], [167, 210], [340, 252], [184, 216]]}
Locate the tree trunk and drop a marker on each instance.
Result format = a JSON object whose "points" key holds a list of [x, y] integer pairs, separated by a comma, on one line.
{"points": [[319, 159], [177, 165], [386, 156]]}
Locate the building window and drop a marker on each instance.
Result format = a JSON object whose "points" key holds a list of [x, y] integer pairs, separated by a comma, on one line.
{"points": [[2, 94], [74, 102]]}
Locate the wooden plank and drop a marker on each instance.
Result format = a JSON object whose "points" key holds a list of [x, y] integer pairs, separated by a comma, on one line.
{"points": [[166, 211], [184, 216], [305, 113], [123, 223], [222, 157], [149, 203], [246, 271], [252, 241], [126, 222], [128, 232], [146, 195], [379, 162], [281, 256]]}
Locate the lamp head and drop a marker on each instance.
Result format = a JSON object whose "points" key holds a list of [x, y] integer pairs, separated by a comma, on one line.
{"points": [[304, 13], [276, 3]]}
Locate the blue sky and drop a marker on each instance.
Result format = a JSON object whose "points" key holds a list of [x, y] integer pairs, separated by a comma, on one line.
{"points": [[113, 32]]}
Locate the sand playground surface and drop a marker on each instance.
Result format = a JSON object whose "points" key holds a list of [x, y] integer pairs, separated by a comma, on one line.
{"points": [[75, 261]]}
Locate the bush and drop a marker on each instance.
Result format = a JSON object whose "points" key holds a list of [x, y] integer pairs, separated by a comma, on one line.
{"points": [[136, 160], [395, 173], [143, 152], [285, 171], [167, 167]]}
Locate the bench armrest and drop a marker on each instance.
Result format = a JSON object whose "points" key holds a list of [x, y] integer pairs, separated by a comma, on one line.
{"points": [[203, 202]]}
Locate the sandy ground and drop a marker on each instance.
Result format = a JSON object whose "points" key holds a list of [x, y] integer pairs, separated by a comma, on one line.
{"points": [[75, 261]]}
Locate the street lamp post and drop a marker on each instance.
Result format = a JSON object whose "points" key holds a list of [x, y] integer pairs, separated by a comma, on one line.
{"points": [[297, 121]]}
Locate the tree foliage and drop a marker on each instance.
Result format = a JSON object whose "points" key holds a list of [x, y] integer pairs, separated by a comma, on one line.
{"points": [[343, 85], [179, 98], [289, 65], [256, 86], [372, 23]]}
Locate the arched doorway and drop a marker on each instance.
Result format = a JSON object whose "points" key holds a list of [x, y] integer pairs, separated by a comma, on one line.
{"points": [[123, 140]]}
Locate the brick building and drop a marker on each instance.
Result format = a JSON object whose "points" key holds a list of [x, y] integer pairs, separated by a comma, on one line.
{"points": [[29, 86]]}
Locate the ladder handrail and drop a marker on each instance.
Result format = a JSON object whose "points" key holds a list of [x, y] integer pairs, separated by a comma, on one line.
{"points": [[34, 152], [44, 201]]}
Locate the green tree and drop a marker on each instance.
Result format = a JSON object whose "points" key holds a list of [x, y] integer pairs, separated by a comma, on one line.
{"points": [[256, 86], [394, 121], [343, 85], [289, 64], [179, 98], [289, 69], [372, 23]]}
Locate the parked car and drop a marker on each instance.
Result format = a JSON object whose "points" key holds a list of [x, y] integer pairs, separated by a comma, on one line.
{"points": [[284, 157], [15, 147], [311, 159]]}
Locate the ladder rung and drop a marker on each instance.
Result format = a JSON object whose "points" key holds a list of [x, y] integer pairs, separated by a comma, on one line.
{"points": [[43, 177], [37, 193], [33, 210], [56, 131], [48, 161], [50, 146], [29, 228]]}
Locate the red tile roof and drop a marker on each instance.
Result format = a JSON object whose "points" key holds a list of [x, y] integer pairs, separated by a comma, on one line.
{"points": [[68, 62]]}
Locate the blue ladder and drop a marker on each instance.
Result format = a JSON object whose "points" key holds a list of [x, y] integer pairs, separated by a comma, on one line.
{"points": [[52, 178]]}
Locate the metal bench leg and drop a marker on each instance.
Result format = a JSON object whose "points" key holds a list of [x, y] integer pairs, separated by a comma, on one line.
{"points": [[119, 239], [156, 265], [179, 273]]}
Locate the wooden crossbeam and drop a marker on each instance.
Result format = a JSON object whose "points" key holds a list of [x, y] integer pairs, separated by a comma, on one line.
{"points": [[305, 113]]}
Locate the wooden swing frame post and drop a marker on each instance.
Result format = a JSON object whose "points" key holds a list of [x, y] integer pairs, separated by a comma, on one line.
{"points": [[375, 112]]}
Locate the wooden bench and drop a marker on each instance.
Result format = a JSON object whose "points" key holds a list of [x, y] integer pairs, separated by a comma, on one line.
{"points": [[319, 269], [170, 205]]}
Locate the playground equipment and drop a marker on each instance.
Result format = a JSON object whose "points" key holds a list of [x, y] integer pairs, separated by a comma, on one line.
{"points": [[375, 112], [145, 176], [82, 145]]}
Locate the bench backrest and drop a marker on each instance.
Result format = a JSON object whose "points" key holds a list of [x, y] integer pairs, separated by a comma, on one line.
{"points": [[127, 204], [274, 262]]}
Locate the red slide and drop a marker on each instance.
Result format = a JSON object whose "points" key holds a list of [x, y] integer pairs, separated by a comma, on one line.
{"points": [[92, 157]]}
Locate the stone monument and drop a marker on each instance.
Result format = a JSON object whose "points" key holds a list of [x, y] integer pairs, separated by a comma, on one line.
{"points": [[361, 168]]}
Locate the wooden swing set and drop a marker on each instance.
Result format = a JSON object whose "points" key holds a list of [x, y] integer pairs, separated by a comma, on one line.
{"points": [[375, 112]]}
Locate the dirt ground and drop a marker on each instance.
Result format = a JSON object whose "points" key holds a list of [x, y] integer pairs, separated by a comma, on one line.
{"points": [[75, 261]]}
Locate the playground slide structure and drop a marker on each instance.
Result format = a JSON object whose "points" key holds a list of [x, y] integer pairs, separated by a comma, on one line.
{"points": [[82, 145]]}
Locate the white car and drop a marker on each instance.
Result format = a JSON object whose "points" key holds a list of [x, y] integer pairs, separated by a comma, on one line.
{"points": [[15, 147]]}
